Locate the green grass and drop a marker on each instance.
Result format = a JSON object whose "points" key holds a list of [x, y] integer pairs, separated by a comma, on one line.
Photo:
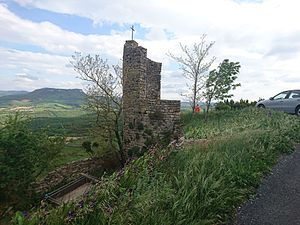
{"points": [[223, 123], [75, 126], [47, 110], [71, 152], [202, 183], [59, 120], [56, 119]]}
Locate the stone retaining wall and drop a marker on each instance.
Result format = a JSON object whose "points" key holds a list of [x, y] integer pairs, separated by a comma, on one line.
{"points": [[67, 173]]}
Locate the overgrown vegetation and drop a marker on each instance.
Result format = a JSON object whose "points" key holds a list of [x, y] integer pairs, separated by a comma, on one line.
{"points": [[194, 65], [104, 98], [76, 126], [24, 156], [230, 104], [220, 82], [199, 184]]}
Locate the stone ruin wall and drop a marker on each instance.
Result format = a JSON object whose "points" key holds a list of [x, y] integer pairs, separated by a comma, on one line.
{"points": [[72, 171], [147, 118], [66, 173]]}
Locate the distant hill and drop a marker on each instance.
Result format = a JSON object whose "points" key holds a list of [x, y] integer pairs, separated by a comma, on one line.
{"points": [[187, 105], [5, 93], [73, 97]]}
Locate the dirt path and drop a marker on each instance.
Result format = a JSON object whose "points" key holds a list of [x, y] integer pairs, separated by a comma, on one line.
{"points": [[278, 198]]}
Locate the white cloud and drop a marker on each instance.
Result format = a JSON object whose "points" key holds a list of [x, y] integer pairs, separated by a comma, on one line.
{"points": [[27, 71], [263, 36], [156, 33], [25, 76], [28, 61], [190, 16], [54, 39]]}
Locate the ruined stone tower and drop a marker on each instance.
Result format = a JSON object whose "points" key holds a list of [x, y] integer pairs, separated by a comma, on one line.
{"points": [[147, 118]]}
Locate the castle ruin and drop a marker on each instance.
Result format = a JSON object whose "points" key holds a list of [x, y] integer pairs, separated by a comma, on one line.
{"points": [[147, 119]]}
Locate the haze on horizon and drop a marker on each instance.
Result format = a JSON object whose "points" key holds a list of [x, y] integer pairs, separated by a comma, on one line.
{"points": [[38, 37]]}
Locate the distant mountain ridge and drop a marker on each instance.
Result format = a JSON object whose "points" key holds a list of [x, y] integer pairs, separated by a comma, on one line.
{"points": [[5, 93], [73, 97]]}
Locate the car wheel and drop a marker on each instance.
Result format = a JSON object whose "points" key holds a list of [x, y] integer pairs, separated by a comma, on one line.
{"points": [[297, 111], [261, 106]]}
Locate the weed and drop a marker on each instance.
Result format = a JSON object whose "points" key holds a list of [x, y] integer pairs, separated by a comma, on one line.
{"points": [[200, 184]]}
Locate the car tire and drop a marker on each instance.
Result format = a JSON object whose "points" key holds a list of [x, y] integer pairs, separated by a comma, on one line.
{"points": [[261, 106], [297, 110]]}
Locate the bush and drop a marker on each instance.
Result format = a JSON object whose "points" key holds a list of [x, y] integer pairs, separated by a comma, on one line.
{"points": [[87, 146], [225, 105], [222, 106], [24, 155]]}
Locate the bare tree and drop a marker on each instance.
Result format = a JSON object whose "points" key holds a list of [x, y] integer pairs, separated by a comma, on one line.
{"points": [[194, 65], [104, 97]]}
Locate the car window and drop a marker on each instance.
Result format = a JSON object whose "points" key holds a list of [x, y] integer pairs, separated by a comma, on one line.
{"points": [[280, 96], [295, 94]]}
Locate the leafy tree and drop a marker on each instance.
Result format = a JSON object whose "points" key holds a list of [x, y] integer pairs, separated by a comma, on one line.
{"points": [[87, 146], [220, 81], [92, 148], [194, 65], [226, 104], [104, 98], [24, 155], [222, 106]]}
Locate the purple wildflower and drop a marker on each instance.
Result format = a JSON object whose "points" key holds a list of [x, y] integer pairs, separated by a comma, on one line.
{"points": [[81, 204], [25, 214], [269, 114], [71, 215]]}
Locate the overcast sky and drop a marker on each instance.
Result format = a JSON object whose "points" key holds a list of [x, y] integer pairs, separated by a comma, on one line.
{"points": [[38, 37]]}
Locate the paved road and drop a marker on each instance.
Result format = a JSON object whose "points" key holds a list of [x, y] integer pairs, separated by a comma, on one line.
{"points": [[278, 199]]}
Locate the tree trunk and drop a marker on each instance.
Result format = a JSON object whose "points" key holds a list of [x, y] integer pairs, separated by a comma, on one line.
{"points": [[194, 94], [120, 148], [207, 110]]}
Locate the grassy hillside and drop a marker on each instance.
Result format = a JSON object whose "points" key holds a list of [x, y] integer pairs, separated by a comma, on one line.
{"points": [[75, 126], [57, 119], [202, 183], [73, 97]]}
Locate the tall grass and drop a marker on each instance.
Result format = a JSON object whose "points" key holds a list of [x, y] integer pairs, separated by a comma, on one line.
{"points": [[199, 184], [223, 123]]}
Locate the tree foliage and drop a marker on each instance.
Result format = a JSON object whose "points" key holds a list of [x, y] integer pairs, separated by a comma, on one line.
{"points": [[230, 104], [104, 98], [24, 155], [221, 81], [194, 64], [87, 146]]}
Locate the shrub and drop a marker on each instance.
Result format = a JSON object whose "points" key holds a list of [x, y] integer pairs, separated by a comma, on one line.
{"points": [[87, 146], [24, 155], [225, 105]]}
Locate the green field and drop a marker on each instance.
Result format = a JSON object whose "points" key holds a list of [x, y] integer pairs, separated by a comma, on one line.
{"points": [[218, 169], [71, 152], [58, 120]]}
